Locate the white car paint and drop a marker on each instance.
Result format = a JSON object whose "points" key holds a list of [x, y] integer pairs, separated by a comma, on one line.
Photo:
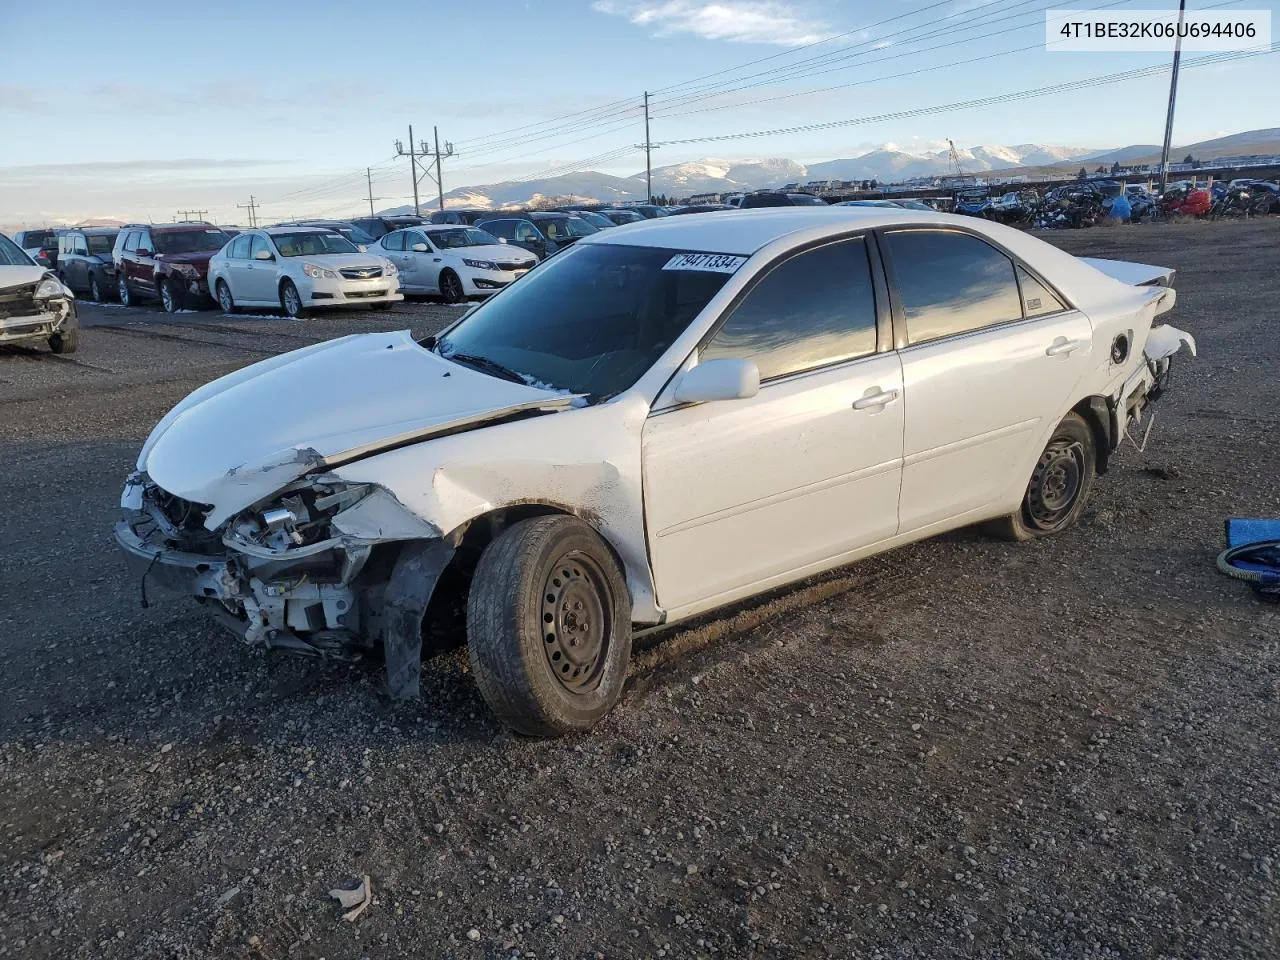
{"points": [[484, 269], [703, 503], [256, 282]]}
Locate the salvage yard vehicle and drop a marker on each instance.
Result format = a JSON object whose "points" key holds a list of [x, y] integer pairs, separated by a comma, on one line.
{"points": [[40, 245], [35, 306], [542, 233], [659, 421], [166, 261], [85, 263], [455, 262], [297, 269]]}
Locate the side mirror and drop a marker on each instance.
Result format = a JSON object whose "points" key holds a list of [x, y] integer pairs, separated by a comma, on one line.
{"points": [[420, 248], [502, 239], [361, 247], [264, 255], [143, 252], [727, 379]]}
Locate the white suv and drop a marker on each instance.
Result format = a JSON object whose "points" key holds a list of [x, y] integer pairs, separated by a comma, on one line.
{"points": [[298, 269]]}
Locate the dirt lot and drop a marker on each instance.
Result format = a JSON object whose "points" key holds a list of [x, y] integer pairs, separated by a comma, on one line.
{"points": [[962, 749]]}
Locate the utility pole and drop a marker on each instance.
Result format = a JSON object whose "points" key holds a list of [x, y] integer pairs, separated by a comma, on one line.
{"points": [[648, 148], [1173, 94], [191, 214], [422, 150], [368, 176], [252, 207]]}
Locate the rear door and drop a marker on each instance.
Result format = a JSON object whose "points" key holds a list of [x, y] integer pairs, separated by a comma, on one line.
{"points": [[990, 354]]}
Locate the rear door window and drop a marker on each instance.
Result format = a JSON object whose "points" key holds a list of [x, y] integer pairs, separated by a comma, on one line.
{"points": [[1037, 299], [951, 283], [814, 309]]}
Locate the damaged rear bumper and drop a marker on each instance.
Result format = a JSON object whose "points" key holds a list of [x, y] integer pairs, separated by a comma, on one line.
{"points": [[1146, 383]]}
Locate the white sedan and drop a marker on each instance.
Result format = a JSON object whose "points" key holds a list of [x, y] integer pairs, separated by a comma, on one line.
{"points": [[453, 261], [296, 269], [655, 423]]}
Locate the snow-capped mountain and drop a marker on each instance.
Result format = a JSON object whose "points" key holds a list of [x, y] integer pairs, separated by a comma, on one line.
{"points": [[711, 175]]}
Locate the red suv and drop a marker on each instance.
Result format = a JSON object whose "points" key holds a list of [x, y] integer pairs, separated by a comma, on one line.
{"points": [[166, 261]]}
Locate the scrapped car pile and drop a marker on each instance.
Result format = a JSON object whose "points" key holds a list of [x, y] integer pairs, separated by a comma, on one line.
{"points": [[1092, 202]]}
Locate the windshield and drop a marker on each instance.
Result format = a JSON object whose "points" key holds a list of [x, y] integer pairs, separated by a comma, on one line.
{"points": [[595, 219], [590, 320], [189, 241], [804, 200], [461, 237], [101, 243], [312, 244], [11, 255]]}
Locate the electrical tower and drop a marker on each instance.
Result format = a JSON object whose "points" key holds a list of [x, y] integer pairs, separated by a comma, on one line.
{"points": [[423, 151]]}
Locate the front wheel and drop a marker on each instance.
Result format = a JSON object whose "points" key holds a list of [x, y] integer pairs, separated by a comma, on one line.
{"points": [[95, 291], [225, 302], [291, 301], [549, 626], [451, 287], [122, 289], [170, 295], [68, 341], [1059, 486]]}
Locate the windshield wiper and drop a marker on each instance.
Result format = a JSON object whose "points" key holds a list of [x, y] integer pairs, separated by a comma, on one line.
{"points": [[487, 365]]}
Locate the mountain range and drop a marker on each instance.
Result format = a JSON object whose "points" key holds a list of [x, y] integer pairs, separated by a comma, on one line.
{"points": [[887, 163]]}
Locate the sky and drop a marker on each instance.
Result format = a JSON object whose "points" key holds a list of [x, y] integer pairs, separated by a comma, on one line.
{"points": [[123, 110]]}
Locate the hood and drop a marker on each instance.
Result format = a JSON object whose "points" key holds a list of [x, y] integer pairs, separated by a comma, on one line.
{"points": [[336, 261], [20, 275], [505, 252], [243, 437], [199, 258]]}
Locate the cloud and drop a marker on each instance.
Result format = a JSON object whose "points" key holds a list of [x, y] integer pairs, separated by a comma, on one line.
{"points": [[19, 98], [737, 21], [129, 168]]}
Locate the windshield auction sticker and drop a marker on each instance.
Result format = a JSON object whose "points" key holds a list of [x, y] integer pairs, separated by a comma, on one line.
{"points": [[713, 262], [1156, 31]]}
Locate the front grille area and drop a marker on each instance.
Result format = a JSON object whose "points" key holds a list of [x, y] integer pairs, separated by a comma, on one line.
{"points": [[361, 273], [19, 301], [522, 265], [364, 294]]}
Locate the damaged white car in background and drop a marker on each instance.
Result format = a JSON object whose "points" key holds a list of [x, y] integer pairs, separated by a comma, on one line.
{"points": [[35, 306], [659, 421]]}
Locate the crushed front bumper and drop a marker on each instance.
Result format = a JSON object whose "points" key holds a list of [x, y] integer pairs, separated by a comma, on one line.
{"points": [[39, 324], [266, 604]]}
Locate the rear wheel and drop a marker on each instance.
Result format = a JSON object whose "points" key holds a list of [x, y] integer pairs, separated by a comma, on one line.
{"points": [[451, 287], [1059, 486], [291, 301], [549, 626], [171, 295]]}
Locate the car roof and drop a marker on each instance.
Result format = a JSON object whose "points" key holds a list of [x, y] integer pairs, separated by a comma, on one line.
{"points": [[743, 232], [284, 228]]}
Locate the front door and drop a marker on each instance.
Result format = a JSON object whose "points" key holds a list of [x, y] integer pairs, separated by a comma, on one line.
{"points": [[260, 275], [742, 494], [990, 357]]}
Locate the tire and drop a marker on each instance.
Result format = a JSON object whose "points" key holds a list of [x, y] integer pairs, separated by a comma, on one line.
{"points": [[171, 295], [1059, 487], [385, 305], [549, 627], [291, 301], [95, 289], [122, 291], [66, 342], [451, 287], [225, 301]]}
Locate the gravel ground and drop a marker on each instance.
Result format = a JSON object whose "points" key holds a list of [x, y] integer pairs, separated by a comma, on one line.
{"points": [[960, 749]]}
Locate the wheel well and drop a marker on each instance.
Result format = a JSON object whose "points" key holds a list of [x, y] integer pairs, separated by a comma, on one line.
{"points": [[1097, 414], [444, 625]]}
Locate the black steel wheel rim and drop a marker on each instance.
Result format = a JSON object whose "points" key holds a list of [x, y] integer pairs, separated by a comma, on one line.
{"points": [[1056, 484], [576, 622]]}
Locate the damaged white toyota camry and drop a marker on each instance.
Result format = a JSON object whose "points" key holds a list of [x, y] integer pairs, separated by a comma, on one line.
{"points": [[657, 422]]}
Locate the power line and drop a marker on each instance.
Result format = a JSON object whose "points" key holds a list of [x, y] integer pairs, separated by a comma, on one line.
{"points": [[982, 101]]}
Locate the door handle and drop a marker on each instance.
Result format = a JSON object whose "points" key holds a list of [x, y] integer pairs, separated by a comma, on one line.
{"points": [[875, 397], [1061, 347]]}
